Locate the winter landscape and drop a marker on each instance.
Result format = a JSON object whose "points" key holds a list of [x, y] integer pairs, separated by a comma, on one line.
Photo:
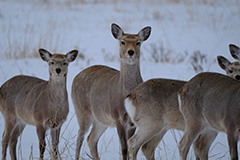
{"points": [[186, 38]]}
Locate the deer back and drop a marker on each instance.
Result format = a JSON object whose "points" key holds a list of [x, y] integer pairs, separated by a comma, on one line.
{"points": [[24, 95], [157, 100], [213, 97], [99, 88]]}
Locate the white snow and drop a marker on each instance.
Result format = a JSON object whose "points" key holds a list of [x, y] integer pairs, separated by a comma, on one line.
{"points": [[179, 29]]}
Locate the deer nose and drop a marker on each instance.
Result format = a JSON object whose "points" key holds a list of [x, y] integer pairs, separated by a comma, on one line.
{"points": [[237, 77], [58, 70], [130, 52]]}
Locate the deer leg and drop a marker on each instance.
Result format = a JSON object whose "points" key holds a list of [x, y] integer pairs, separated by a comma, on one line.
{"points": [[41, 137], [122, 134], [84, 122], [55, 133], [95, 134], [14, 138], [143, 135], [232, 142], [193, 129], [131, 131], [9, 126], [148, 148], [203, 143]]}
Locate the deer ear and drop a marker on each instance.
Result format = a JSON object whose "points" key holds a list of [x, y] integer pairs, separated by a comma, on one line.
{"points": [[144, 33], [117, 31], [45, 55], [235, 51], [71, 56], [223, 62]]}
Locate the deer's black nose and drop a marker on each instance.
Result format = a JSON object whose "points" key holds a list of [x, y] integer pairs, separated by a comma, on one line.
{"points": [[237, 77], [130, 52], [58, 70]]}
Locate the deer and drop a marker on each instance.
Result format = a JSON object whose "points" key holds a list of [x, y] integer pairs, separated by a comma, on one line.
{"points": [[30, 100], [153, 108], [232, 68], [209, 103], [98, 93]]}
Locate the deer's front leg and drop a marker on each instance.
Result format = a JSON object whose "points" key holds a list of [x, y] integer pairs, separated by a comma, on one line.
{"points": [[41, 137], [55, 133], [121, 130]]}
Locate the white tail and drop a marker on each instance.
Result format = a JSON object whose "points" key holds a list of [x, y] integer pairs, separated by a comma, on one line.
{"points": [[153, 108], [210, 103], [232, 69], [98, 92], [131, 110], [29, 100]]}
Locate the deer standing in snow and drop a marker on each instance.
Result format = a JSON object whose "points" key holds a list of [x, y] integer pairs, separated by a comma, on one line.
{"points": [[30, 100], [98, 93], [213, 102], [210, 103], [153, 108]]}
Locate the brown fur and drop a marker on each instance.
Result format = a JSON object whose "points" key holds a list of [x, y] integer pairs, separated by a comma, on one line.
{"points": [[155, 111], [98, 93], [210, 103], [30, 100], [153, 108]]}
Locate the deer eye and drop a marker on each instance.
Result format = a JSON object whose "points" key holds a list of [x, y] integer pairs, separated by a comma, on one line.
{"points": [[230, 71], [138, 43], [64, 63], [52, 63], [123, 43]]}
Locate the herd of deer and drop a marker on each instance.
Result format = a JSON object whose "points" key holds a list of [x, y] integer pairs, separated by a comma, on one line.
{"points": [[103, 97]]}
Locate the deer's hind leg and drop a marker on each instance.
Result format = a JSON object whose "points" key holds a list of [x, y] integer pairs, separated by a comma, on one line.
{"points": [[95, 134], [84, 121], [193, 128], [17, 131], [232, 142], [203, 143], [10, 123], [149, 147], [144, 136]]}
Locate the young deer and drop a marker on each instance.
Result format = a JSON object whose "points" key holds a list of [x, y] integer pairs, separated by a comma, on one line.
{"points": [[153, 108], [210, 103], [232, 69], [98, 92], [29, 100]]}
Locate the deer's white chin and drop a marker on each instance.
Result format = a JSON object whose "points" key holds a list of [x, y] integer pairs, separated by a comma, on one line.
{"points": [[59, 76], [129, 60]]}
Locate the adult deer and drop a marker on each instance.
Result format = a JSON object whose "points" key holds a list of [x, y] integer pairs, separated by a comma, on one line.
{"points": [[98, 92], [210, 103], [153, 108], [232, 69], [29, 100]]}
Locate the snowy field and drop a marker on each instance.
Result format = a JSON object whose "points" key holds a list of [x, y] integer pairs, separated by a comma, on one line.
{"points": [[186, 38]]}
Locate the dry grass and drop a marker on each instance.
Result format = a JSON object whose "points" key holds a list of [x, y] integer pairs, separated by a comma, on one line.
{"points": [[24, 46], [27, 44], [160, 54]]}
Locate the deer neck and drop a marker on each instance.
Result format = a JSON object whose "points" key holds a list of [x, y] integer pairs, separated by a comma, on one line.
{"points": [[57, 90], [130, 77]]}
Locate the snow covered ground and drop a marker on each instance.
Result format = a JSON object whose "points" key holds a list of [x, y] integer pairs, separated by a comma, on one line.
{"points": [[184, 34]]}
